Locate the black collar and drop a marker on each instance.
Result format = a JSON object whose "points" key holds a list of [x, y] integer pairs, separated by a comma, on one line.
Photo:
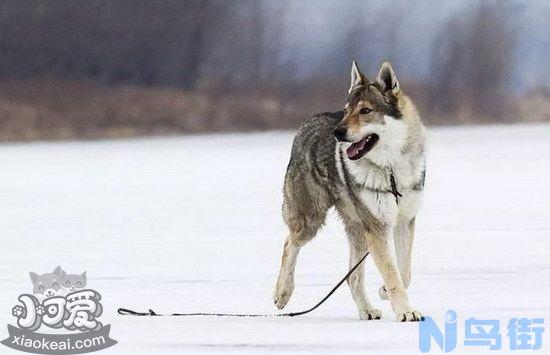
{"points": [[394, 190]]}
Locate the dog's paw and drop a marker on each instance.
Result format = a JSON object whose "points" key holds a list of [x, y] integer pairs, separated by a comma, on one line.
{"points": [[282, 294], [409, 316], [370, 314], [383, 293]]}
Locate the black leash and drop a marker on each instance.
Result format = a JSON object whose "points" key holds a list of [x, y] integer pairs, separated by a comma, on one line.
{"points": [[129, 312]]}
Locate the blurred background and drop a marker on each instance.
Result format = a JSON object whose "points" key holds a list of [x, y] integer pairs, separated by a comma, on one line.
{"points": [[87, 69]]}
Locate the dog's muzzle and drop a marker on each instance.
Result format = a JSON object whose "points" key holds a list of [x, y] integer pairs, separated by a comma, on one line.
{"points": [[340, 133]]}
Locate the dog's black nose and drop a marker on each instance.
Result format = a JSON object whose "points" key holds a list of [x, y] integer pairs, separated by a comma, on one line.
{"points": [[340, 133]]}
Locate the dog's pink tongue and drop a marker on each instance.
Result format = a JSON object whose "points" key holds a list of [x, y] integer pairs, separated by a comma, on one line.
{"points": [[354, 148]]}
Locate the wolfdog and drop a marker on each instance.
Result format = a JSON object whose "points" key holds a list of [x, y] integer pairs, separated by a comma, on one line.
{"points": [[368, 161]]}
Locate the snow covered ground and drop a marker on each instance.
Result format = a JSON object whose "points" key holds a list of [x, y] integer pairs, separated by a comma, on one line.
{"points": [[193, 224]]}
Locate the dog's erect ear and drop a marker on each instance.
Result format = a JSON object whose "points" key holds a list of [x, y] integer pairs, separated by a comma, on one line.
{"points": [[386, 78], [84, 275], [357, 78], [34, 276]]}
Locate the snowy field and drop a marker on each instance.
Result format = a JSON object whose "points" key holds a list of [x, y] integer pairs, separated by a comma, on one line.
{"points": [[193, 224]]}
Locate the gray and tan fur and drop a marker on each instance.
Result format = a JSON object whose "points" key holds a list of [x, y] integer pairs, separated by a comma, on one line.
{"points": [[345, 159]]}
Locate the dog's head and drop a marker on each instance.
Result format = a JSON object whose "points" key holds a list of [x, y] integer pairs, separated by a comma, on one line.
{"points": [[372, 114]]}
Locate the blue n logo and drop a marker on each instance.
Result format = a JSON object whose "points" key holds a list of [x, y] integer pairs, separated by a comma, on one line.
{"points": [[428, 330]]}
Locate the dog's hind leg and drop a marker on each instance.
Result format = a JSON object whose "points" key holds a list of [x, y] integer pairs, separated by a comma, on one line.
{"points": [[403, 238], [304, 216], [358, 248], [285, 281], [300, 234]]}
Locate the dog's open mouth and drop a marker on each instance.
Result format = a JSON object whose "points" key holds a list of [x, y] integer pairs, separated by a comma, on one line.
{"points": [[359, 149]]}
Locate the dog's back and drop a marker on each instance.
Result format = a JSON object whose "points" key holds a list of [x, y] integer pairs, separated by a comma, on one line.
{"points": [[311, 173], [313, 146]]}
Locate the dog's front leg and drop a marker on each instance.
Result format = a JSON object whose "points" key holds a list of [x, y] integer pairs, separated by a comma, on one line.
{"points": [[403, 237], [381, 246], [355, 281]]}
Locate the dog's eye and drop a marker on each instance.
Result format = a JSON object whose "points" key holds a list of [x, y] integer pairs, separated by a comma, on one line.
{"points": [[67, 283], [365, 111], [41, 288], [78, 283]]}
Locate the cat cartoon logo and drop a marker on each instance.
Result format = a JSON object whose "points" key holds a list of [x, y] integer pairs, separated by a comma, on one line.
{"points": [[57, 283], [59, 300]]}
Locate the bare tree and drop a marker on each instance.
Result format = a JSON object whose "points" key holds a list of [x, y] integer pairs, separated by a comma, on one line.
{"points": [[472, 60]]}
